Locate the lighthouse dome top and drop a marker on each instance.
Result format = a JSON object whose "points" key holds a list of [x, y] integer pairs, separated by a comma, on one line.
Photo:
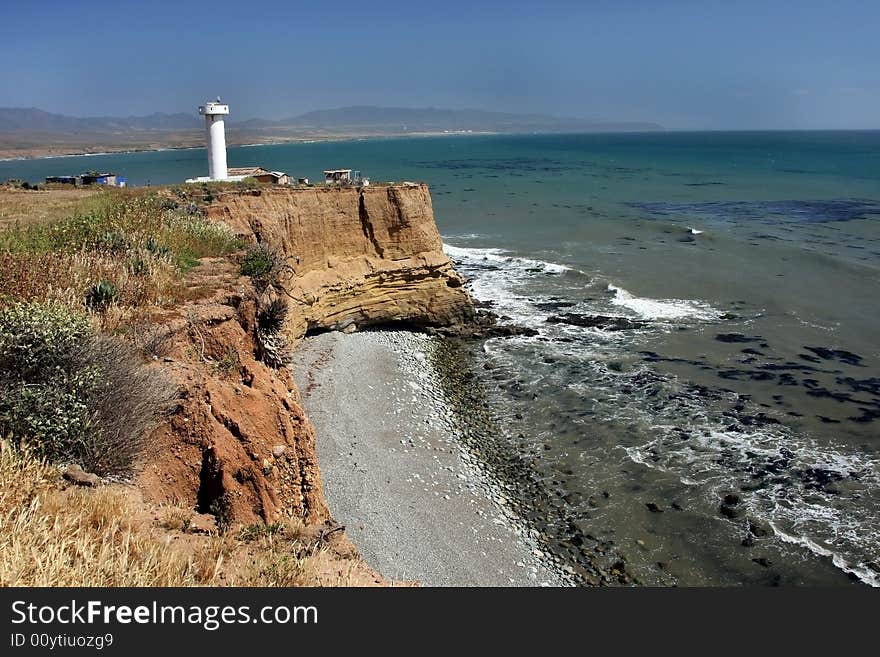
{"points": [[214, 107]]}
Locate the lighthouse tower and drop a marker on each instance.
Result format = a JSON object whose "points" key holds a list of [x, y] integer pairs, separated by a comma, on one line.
{"points": [[214, 111]]}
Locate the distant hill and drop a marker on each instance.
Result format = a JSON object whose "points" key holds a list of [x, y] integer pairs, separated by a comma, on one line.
{"points": [[368, 119], [31, 132], [31, 119]]}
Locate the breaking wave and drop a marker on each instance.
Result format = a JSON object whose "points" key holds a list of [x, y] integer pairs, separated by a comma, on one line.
{"points": [[663, 309]]}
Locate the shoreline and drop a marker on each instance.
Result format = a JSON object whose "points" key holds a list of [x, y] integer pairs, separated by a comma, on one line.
{"points": [[121, 151], [412, 497], [45, 153]]}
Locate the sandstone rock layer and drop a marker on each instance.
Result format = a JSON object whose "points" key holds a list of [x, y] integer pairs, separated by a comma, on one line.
{"points": [[354, 257]]}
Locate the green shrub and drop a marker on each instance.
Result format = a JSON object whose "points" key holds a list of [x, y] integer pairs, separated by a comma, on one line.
{"points": [[153, 246], [138, 266], [43, 384], [37, 339], [73, 395], [113, 241], [260, 262], [101, 295]]}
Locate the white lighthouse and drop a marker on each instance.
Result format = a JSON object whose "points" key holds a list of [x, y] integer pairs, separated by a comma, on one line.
{"points": [[214, 111]]}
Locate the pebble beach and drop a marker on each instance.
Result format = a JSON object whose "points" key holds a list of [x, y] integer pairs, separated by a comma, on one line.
{"points": [[414, 499]]}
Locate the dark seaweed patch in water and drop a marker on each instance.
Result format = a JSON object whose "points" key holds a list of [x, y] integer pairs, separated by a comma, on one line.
{"points": [[841, 355], [553, 305], [822, 479], [815, 211], [596, 321], [737, 337], [871, 385], [868, 415]]}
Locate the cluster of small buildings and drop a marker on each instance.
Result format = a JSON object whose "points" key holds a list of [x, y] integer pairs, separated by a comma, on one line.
{"points": [[344, 177], [89, 178], [331, 177]]}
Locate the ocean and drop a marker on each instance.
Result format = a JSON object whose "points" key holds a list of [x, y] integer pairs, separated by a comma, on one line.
{"points": [[728, 432]]}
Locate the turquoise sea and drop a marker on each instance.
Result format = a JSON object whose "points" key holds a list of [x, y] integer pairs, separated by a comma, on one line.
{"points": [[731, 434]]}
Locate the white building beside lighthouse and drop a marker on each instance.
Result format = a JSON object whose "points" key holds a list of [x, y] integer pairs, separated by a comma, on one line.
{"points": [[216, 128]]}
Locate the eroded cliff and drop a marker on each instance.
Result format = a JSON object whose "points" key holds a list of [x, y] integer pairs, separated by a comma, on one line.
{"points": [[239, 445], [354, 256]]}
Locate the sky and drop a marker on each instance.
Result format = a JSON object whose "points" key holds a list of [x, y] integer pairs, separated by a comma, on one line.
{"points": [[689, 65]]}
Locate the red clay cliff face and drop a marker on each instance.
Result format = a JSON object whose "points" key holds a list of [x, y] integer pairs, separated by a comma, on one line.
{"points": [[239, 445], [354, 256]]}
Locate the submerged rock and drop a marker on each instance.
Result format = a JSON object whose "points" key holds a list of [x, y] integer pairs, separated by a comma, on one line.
{"points": [[483, 324], [553, 305], [605, 322], [840, 355], [736, 338]]}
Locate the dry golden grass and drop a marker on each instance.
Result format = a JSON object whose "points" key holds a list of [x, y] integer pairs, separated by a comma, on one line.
{"points": [[284, 556], [56, 536], [26, 207], [63, 277], [76, 537]]}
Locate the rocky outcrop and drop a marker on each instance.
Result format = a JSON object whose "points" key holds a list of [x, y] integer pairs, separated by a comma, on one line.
{"points": [[354, 257]]}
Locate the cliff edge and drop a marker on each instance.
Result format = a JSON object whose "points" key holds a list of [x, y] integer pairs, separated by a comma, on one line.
{"points": [[354, 257]]}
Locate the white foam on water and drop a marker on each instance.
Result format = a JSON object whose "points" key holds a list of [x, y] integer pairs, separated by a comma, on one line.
{"points": [[864, 574], [840, 523], [718, 460], [467, 236], [501, 256], [815, 325], [502, 280], [663, 309]]}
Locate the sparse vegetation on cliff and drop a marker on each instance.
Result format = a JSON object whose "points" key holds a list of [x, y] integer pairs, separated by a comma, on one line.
{"points": [[272, 347], [74, 393], [119, 251], [261, 263]]}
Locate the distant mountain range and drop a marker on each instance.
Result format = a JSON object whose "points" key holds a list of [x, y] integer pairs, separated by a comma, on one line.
{"points": [[345, 120], [31, 119]]}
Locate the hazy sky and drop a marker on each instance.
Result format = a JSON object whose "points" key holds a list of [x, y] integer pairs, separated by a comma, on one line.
{"points": [[688, 65]]}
